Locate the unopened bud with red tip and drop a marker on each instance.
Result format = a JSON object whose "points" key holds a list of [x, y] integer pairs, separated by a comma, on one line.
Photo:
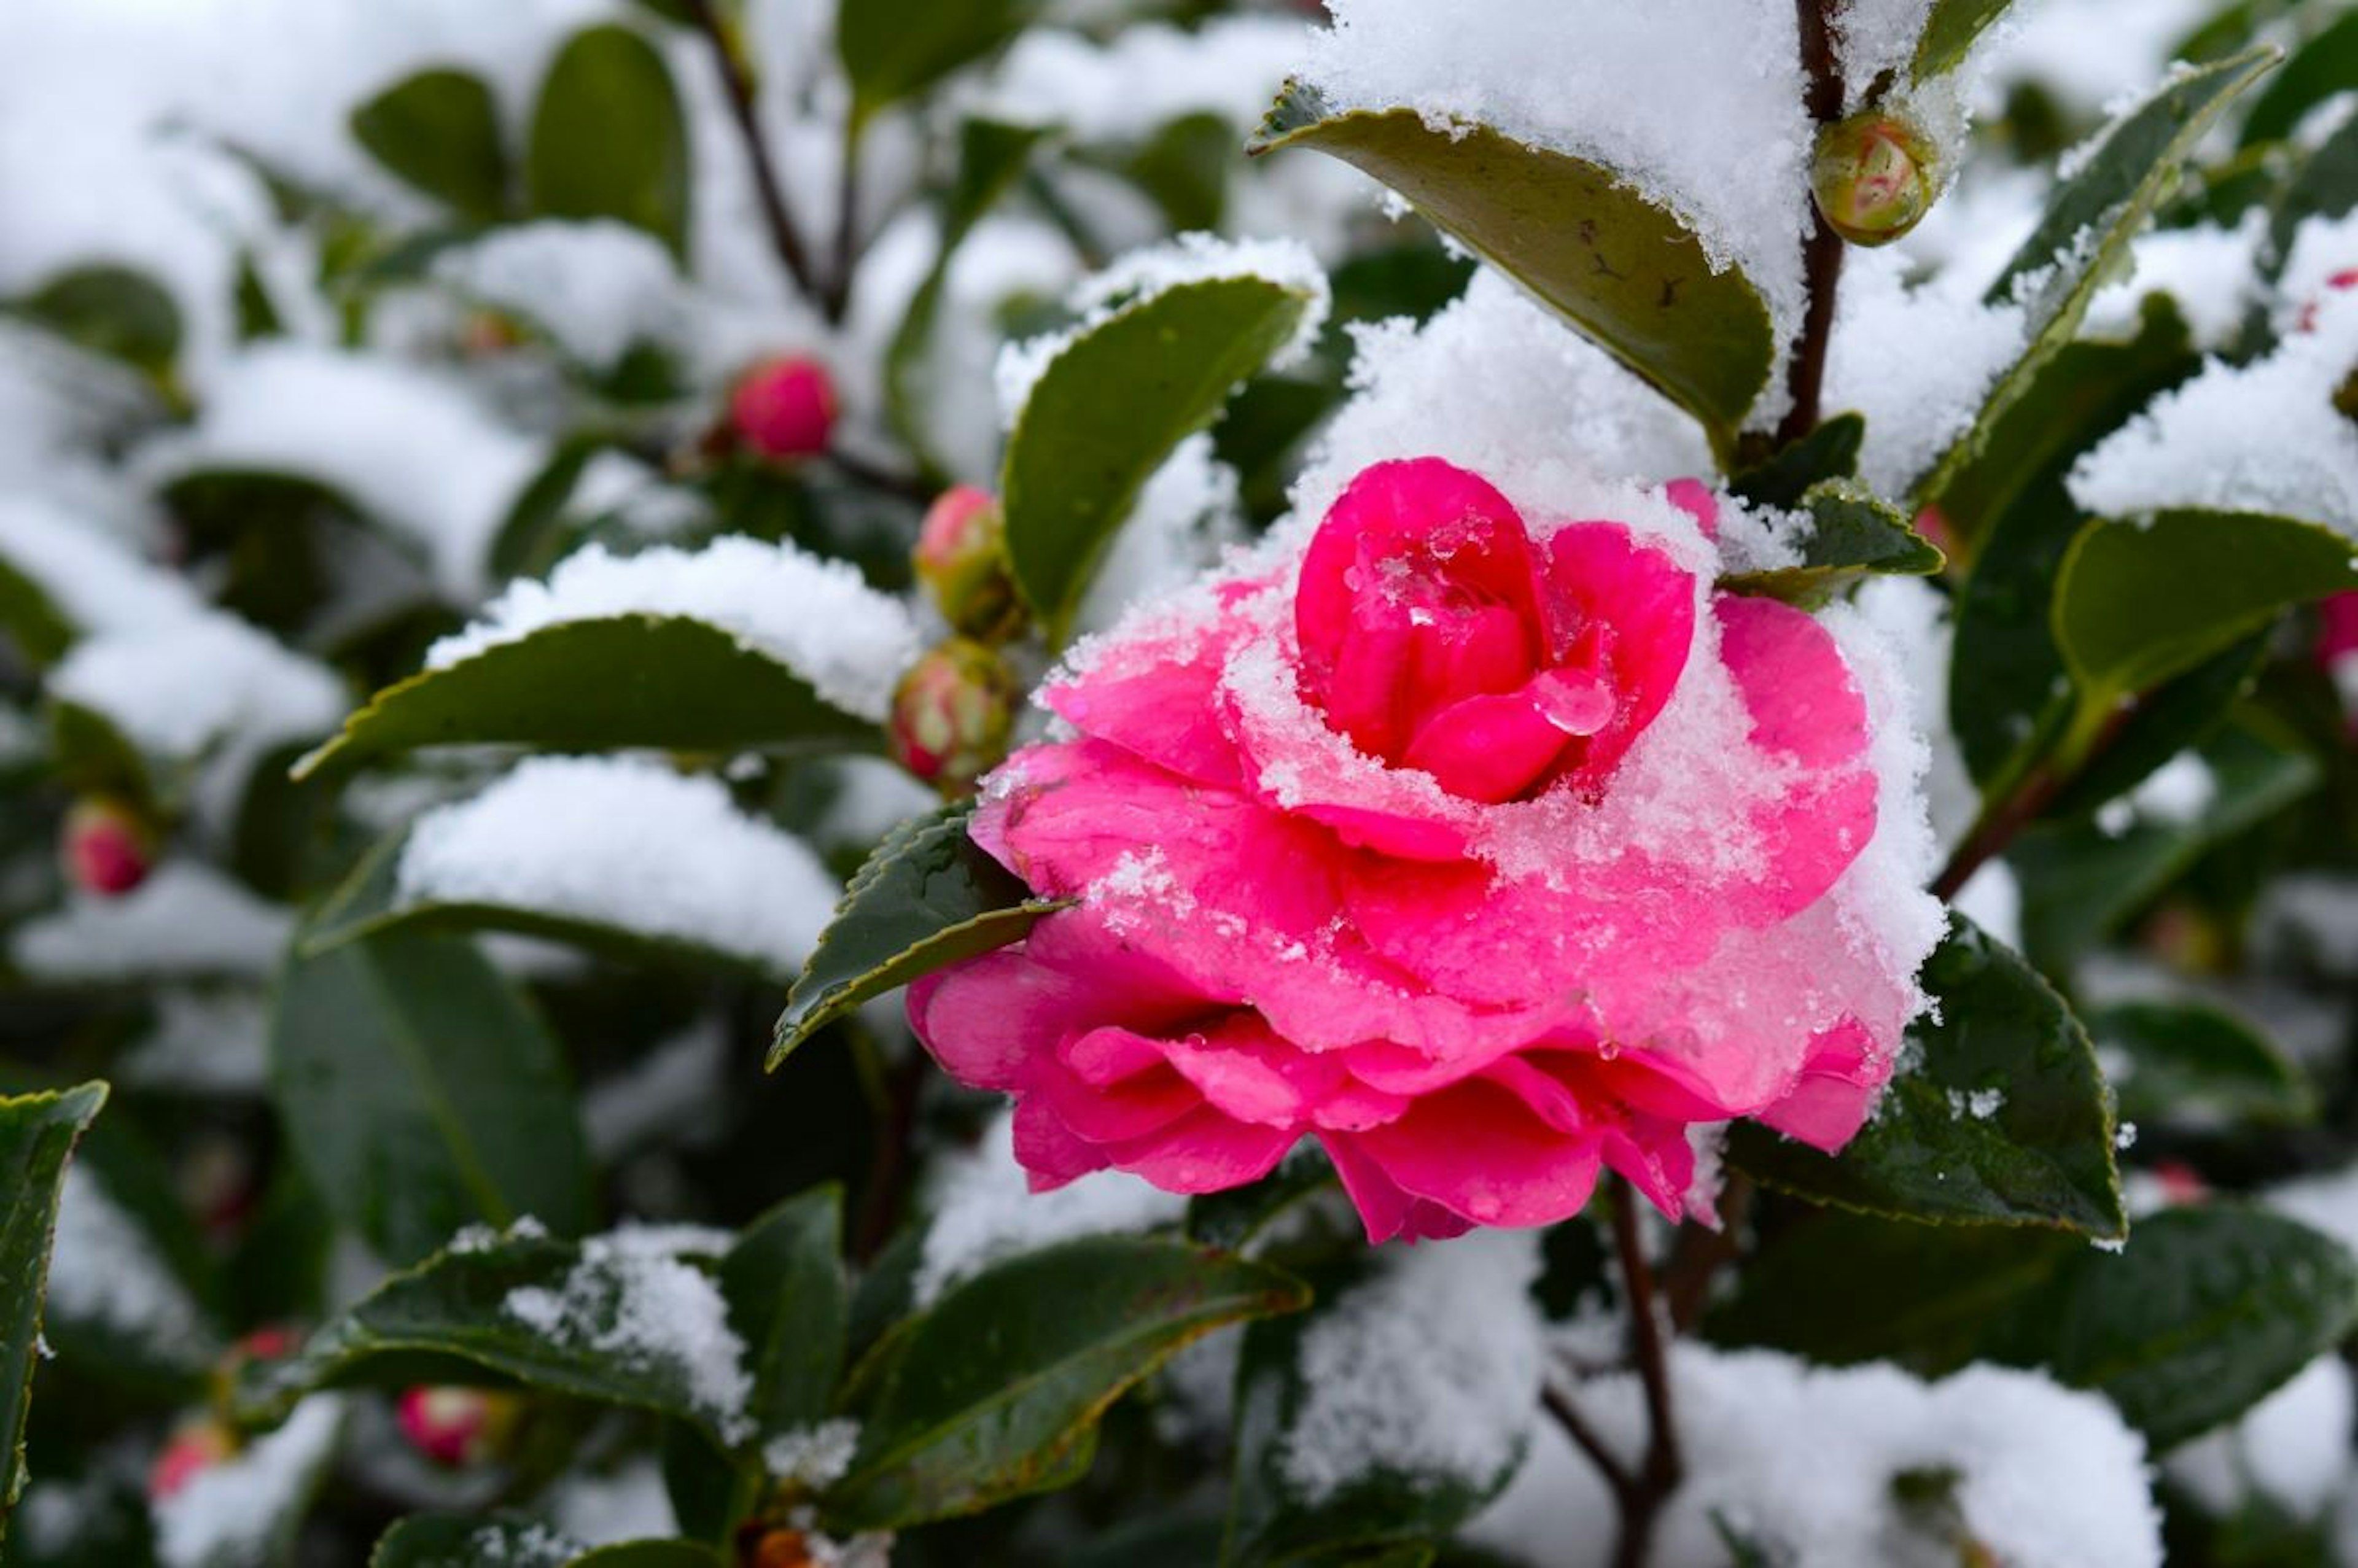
{"points": [[106, 845], [783, 409], [961, 558], [458, 1428], [953, 713], [194, 1447], [1873, 177]]}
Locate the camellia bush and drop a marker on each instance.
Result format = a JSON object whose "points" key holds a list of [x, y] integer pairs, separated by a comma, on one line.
{"points": [[1150, 784]]}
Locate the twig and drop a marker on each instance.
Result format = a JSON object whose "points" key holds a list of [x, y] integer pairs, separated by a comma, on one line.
{"points": [[1823, 259], [1585, 1437], [737, 84], [2001, 824], [838, 297], [1639, 1493]]}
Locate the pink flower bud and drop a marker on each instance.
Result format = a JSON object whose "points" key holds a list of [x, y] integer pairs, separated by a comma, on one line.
{"points": [[783, 409], [456, 1427], [195, 1447], [108, 851], [952, 715], [1873, 178], [273, 1342], [961, 558]]}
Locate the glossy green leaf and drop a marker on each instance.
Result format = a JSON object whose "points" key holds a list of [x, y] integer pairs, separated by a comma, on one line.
{"points": [[1999, 1117], [927, 897], [1623, 271], [2191, 1063], [893, 52], [2319, 69], [2137, 603], [661, 682], [1110, 407], [1270, 1521], [651, 1554], [986, 1397], [423, 1094], [368, 903], [2085, 232], [1853, 536], [790, 1301], [116, 311], [37, 1133], [479, 1314], [439, 131], [1950, 32], [609, 138], [1785, 476], [2202, 1315], [471, 1541], [991, 158], [1841, 1289]]}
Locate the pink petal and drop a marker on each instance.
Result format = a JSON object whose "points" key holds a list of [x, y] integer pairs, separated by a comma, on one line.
{"points": [[1047, 1149], [1488, 749], [1598, 575], [1204, 1151], [1836, 1091], [1698, 500], [1479, 1152], [1389, 1213]]}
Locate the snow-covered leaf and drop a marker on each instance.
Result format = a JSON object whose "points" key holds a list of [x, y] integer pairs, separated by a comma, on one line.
{"points": [[469, 1540], [1622, 270], [2204, 1312], [117, 311], [927, 897], [985, 1397], [608, 137], [439, 131], [1997, 1116], [1853, 534], [37, 1133], [423, 1094]]}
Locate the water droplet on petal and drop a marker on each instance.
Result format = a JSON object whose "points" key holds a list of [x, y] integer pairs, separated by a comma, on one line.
{"points": [[1574, 701]]}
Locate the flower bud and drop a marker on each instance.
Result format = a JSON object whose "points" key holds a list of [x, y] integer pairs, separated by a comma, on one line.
{"points": [[952, 715], [961, 558], [1873, 177], [107, 850], [194, 1447], [456, 1427], [783, 409], [778, 1548]]}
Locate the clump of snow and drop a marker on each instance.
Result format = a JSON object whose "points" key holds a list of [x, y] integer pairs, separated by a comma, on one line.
{"points": [[2175, 794], [812, 1456], [630, 843], [598, 289], [185, 919], [649, 1311], [631, 1503], [414, 450], [984, 1210], [1431, 1369], [1918, 361], [2259, 438], [103, 1271], [1801, 1461], [1696, 104], [2092, 53], [2293, 1447], [203, 1042], [1144, 76], [233, 1512], [93, 582], [178, 689], [1141, 275], [1876, 36], [816, 617], [2211, 272]]}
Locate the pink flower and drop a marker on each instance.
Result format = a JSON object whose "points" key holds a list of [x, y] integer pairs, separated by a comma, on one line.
{"points": [[1487, 857], [457, 1427], [106, 849], [785, 408]]}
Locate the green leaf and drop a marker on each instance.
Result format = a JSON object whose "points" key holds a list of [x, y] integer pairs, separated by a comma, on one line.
{"points": [[32, 620], [1950, 33], [2204, 1312], [438, 130], [1108, 411], [927, 897], [661, 682], [2137, 603], [2186, 1061], [790, 1301], [651, 1554], [989, 1396], [2000, 1118], [1853, 534], [532, 535], [2085, 232], [449, 1320], [115, 311], [471, 1541], [368, 903], [609, 139], [2324, 66], [893, 52], [991, 158], [1785, 476], [1840, 1289], [1269, 1521], [1621, 270], [423, 1095], [37, 1133]]}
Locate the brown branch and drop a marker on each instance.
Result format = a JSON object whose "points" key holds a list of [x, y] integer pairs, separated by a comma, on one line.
{"points": [[838, 297], [769, 188], [1823, 258], [1657, 1476]]}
